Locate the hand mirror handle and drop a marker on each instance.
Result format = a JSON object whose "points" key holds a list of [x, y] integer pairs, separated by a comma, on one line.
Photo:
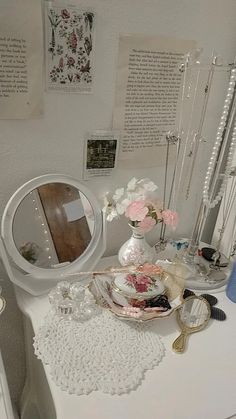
{"points": [[180, 342]]}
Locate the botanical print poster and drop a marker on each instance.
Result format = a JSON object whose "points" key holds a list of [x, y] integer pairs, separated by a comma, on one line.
{"points": [[69, 41]]}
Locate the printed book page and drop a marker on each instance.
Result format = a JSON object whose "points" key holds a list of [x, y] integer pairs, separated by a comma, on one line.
{"points": [[21, 64], [148, 95]]}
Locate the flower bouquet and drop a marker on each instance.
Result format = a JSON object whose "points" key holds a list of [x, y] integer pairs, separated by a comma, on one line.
{"points": [[140, 204]]}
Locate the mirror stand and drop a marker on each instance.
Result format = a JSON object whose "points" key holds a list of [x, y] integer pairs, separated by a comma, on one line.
{"points": [[52, 228], [38, 286]]}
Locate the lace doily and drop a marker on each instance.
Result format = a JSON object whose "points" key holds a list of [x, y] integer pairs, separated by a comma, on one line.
{"points": [[102, 353]]}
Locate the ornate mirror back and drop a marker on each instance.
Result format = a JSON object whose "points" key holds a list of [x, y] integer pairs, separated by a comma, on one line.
{"points": [[52, 224]]}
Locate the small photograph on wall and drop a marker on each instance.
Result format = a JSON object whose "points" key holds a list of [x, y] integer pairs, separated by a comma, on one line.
{"points": [[69, 48], [100, 154]]}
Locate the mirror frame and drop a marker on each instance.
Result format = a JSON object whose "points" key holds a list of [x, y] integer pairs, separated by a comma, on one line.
{"points": [[8, 219]]}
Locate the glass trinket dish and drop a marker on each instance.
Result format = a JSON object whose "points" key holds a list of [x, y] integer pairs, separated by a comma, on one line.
{"points": [[72, 301]]}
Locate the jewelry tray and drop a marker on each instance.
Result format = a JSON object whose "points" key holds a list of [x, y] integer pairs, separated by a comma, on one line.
{"points": [[101, 290]]}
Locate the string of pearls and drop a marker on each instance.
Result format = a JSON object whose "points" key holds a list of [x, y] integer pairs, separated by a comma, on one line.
{"points": [[218, 141]]}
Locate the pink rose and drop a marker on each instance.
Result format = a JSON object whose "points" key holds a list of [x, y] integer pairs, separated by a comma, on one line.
{"points": [[140, 282], [65, 14], [136, 211], [141, 287], [147, 224], [143, 279], [131, 278], [150, 269], [170, 218]]}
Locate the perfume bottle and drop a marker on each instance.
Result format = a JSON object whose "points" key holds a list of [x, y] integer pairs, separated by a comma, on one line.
{"points": [[231, 285]]}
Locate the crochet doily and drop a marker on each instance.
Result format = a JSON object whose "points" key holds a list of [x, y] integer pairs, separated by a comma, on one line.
{"points": [[102, 353]]}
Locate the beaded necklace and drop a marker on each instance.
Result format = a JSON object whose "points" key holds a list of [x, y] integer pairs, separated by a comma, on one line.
{"points": [[207, 200]]}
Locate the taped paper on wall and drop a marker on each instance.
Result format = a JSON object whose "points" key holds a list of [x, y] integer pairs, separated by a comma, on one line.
{"points": [[69, 48], [148, 93], [101, 150], [21, 52]]}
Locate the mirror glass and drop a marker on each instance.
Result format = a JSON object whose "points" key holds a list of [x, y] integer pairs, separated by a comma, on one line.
{"points": [[194, 313], [53, 225]]}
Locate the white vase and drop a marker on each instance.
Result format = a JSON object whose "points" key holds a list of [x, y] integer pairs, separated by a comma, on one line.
{"points": [[136, 250]]}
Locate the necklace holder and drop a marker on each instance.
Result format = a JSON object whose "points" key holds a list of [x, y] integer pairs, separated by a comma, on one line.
{"points": [[202, 275], [217, 175]]}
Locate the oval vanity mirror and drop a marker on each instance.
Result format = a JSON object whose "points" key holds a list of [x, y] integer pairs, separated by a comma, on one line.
{"points": [[192, 317], [60, 225], [51, 227]]}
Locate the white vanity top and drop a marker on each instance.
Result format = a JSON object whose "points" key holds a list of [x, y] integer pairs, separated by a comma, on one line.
{"points": [[198, 384]]}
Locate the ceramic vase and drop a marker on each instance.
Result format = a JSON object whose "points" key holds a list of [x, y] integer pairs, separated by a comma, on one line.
{"points": [[136, 250]]}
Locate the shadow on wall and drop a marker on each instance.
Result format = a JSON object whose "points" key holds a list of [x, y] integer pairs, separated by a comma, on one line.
{"points": [[12, 340]]}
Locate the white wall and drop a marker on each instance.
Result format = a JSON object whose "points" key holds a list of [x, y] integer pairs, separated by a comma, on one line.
{"points": [[55, 142]]}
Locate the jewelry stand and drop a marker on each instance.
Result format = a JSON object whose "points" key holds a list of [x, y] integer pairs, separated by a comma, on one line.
{"points": [[204, 275], [198, 272]]}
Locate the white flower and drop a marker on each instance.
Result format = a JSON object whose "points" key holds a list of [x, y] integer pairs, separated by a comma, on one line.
{"points": [[121, 207], [106, 202], [118, 194], [132, 184], [139, 195], [112, 214], [148, 185], [109, 209]]}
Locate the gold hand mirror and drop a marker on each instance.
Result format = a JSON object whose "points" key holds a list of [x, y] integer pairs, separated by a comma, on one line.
{"points": [[192, 316]]}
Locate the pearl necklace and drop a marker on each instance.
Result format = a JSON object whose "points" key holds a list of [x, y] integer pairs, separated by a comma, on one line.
{"points": [[216, 147]]}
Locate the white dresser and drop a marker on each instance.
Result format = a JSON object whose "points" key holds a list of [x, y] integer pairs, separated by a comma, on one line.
{"points": [[199, 384]]}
